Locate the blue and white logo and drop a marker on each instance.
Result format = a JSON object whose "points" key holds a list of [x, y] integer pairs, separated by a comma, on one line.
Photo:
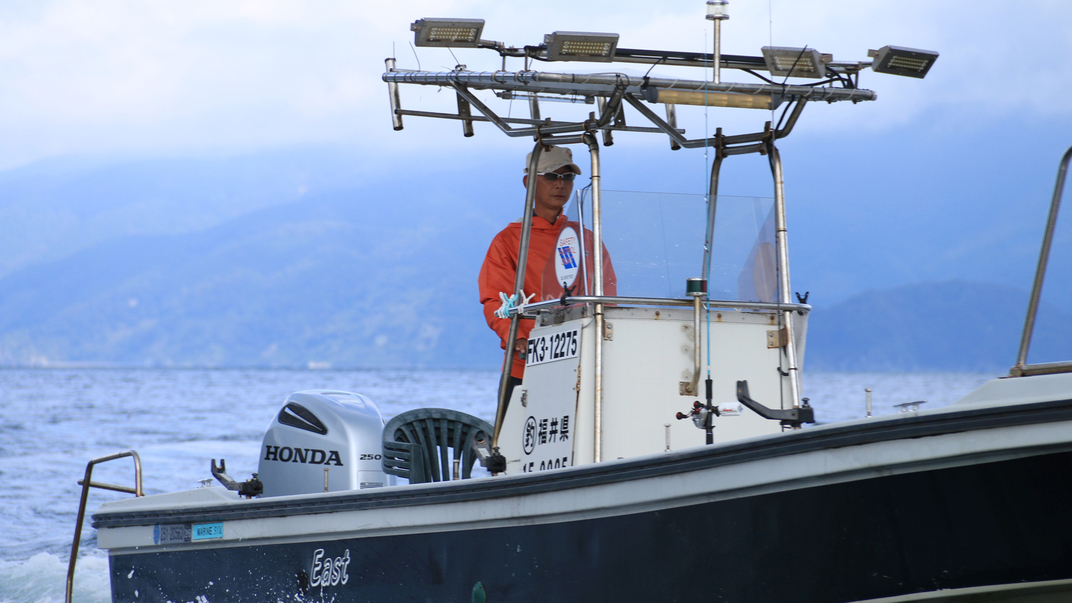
{"points": [[569, 250]]}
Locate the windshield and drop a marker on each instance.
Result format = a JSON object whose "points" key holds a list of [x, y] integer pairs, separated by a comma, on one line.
{"points": [[656, 241]]}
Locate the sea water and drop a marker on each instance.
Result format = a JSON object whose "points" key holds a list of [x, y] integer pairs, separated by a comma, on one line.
{"points": [[53, 421]]}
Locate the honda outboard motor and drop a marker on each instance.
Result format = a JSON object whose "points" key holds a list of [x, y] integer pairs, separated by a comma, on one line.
{"points": [[323, 441]]}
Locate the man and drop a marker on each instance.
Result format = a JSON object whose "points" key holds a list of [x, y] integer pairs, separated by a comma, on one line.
{"points": [[555, 174]]}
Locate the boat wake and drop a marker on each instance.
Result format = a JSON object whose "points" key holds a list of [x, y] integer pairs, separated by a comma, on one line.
{"points": [[42, 579]]}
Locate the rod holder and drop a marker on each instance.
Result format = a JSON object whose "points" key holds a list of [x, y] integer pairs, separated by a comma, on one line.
{"points": [[465, 111], [396, 99], [794, 417], [671, 118]]}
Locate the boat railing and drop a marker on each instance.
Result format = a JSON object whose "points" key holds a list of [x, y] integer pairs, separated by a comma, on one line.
{"points": [[1022, 369], [534, 308], [86, 484]]}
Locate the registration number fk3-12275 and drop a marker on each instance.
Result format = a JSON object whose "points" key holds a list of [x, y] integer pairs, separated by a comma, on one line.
{"points": [[553, 346]]}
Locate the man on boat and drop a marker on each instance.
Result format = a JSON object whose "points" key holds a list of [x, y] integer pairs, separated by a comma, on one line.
{"points": [[555, 173]]}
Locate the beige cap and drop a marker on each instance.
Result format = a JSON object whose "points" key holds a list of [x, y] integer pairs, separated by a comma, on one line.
{"points": [[553, 158]]}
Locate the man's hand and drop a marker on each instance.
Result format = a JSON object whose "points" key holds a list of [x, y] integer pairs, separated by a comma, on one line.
{"points": [[521, 347]]}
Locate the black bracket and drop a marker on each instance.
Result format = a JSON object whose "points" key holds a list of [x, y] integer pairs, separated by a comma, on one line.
{"points": [[566, 292], [249, 488], [494, 462], [793, 417]]}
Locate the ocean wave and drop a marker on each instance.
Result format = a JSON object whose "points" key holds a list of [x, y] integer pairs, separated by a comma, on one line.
{"points": [[43, 579]]}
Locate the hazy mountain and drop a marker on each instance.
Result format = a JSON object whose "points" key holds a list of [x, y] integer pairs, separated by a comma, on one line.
{"points": [[949, 326], [338, 279], [334, 279], [283, 258], [53, 208]]}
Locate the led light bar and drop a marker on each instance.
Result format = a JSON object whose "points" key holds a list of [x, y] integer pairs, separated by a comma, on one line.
{"points": [[898, 60], [795, 62], [580, 46], [456, 33]]}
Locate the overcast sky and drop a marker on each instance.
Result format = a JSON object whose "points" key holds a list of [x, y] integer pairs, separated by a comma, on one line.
{"points": [[99, 77]]}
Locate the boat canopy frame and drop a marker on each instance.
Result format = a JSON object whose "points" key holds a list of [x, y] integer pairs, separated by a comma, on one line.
{"points": [[611, 92]]}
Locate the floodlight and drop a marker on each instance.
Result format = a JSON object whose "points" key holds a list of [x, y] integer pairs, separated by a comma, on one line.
{"points": [[795, 62], [457, 33], [580, 46], [716, 10], [898, 60]]}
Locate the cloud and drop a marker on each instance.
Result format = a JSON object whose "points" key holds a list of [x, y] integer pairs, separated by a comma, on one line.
{"points": [[124, 76]]}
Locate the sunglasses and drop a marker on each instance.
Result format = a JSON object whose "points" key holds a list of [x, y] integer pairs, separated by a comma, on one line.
{"points": [[554, 176]]}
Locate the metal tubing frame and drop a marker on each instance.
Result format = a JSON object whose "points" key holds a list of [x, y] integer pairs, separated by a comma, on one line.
{"points": [[574, 139], [597, 286], [583, 286], [594, 84], [715, 304], [608, 138], [721, 151], [548, 127], [524, 121], [712, 207], [536, 131], [781, 239], [614, 88], [618, 87], [697, 355], [614, 107], [86, 484], [519, 284], [1040, 271], [709, 237], [597, 299], [463, 92], [670, 131], [724, 143], [784, 131]]}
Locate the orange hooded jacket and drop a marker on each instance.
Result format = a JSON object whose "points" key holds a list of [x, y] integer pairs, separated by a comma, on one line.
{"points": [[499, 270]]}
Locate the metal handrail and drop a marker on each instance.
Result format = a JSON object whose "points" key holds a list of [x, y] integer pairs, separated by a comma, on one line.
{"points": [[1044, 368], [532, 309], [597, 288], [86, 484], [1022, 368], [780, 239], [519, 284]]}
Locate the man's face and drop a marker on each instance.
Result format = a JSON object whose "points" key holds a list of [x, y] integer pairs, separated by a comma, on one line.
{"points": [[553, 196]]}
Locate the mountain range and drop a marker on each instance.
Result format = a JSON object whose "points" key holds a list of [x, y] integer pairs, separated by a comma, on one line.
{"points": [[301, 259]]}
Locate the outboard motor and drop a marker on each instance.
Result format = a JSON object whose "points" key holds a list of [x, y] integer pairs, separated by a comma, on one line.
{"points": [[322, 441]]}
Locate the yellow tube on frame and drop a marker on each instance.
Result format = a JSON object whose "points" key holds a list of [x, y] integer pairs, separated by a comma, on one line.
{"points": [[714, 99]]}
